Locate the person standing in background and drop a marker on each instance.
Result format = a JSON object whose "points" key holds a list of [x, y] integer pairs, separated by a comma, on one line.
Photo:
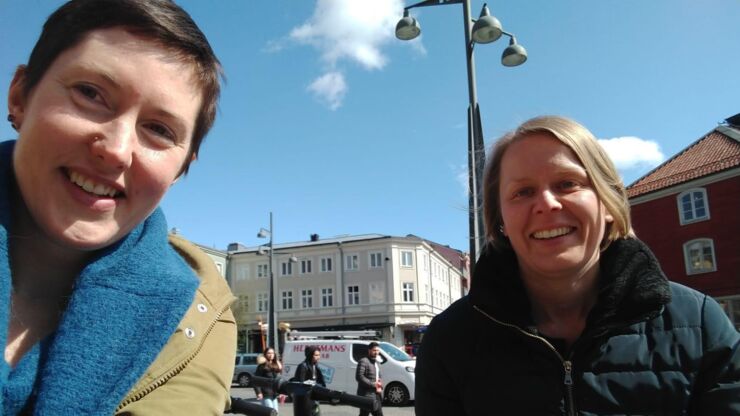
{"points": [[368, 378]]}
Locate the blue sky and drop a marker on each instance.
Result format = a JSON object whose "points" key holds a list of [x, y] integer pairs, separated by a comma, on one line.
{"points": [[339, 128]]}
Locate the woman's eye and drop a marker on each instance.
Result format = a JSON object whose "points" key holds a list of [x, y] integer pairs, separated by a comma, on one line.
{"points": [[524, 192], [568, 184], [161, 131], [88, 91]]}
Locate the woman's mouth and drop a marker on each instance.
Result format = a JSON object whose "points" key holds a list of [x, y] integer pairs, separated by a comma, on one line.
{"points": [[552, 233], [92, 187]]}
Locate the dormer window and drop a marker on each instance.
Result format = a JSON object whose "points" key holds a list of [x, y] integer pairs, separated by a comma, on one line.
{"points": [[693, 206]]}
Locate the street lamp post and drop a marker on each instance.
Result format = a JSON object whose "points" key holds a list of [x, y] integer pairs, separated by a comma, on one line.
{"points": [[272, 335], [485, 30]]}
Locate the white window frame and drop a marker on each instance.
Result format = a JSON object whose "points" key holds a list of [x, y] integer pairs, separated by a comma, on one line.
{"points": [[353, 296], [376, 293], [306, 298], [286, 296], [327, 264], [703, 243], [284, 269], [352, 262], [242, 273], [327, 297], [263, 302], [407, 258], [263, 270], [304, 269], [690, 193], [375, 260], [408, 292]]}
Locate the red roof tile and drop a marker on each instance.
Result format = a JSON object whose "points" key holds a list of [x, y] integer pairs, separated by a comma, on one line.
{"points": [[712, 153]]}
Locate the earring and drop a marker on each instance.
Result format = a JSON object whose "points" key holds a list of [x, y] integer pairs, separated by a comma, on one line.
{"points": [[11, 119]]}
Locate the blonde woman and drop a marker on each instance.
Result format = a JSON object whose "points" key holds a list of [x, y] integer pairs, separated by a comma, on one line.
{"points": [[569, 313]]}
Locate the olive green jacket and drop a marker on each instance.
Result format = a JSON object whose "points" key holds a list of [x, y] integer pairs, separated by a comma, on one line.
{"points": [[193, 372]]}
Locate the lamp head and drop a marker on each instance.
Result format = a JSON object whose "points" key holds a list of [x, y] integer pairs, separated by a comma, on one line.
{"points": [[263, 233], [487, 28], [407, 28], [514, 54], [262, 250]]}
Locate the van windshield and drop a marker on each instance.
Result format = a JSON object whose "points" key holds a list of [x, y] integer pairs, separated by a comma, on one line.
{"points": [[394, 352]]}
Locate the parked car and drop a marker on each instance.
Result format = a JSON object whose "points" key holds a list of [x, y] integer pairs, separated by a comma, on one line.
{"points": [[244, 368]]}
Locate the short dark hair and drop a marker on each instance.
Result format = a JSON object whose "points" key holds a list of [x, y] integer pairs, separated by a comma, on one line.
{"points": [[163, 21], [372, 345]]}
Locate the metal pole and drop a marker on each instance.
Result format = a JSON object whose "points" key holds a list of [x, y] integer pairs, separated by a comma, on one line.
{"points": [[476, 151], [273, 334]]}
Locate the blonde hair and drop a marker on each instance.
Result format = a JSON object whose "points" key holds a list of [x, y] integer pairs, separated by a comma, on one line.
{"points": [[600, 169]]}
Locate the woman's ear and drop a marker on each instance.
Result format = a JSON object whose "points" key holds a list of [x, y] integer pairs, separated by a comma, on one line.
{"points": [[17, 96]]}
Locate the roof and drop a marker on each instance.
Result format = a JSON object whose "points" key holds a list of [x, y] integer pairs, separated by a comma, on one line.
{"points": [[325, 241], [455, 257], [717, 151]]}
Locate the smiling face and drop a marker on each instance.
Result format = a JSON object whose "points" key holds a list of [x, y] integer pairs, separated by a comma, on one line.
{"points": [[102, 136], [551, 214]]}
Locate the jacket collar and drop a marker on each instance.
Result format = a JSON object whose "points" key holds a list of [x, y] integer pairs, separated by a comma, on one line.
{"points": [[124, 307], [632, 286]]}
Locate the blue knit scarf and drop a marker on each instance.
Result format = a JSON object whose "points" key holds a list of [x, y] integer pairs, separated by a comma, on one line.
{"points": [[125, 306]]}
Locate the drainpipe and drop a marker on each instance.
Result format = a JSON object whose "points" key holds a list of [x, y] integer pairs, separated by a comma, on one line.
{"points": [[341, 279]]}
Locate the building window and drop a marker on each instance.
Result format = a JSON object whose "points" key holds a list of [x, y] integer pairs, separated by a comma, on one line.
{"points": [[286, 268], [699, 255], [243, 303], [287, 299], [376, 293], [262, 270], [262, 302], [407, 259], [306, 298], [693, 206], [220, 268], [353, 262], [353, 295], [326, 264], [327, 297], [305, 266], [243, 273], [376, 260], [408, 292], [425, 261]]}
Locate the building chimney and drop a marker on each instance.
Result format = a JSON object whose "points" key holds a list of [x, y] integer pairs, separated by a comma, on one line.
{"points": [[314, 237]]}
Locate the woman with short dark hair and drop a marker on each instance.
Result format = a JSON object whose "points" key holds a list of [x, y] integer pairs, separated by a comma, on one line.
{"points": [[105, 314]]}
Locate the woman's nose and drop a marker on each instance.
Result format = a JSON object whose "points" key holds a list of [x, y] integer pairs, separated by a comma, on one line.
{"points": [[113, 147], [548, 201]]}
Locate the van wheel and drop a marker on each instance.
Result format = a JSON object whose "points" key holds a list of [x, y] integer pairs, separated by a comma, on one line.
{"points": [[244, 380], [397, 394]]}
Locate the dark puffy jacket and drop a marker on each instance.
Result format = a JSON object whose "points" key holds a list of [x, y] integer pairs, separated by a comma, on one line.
{"points": [[650, 347]]}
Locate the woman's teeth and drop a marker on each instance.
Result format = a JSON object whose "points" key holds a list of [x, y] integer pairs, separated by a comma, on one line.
{"points": [[555, 232], [88, 185]]}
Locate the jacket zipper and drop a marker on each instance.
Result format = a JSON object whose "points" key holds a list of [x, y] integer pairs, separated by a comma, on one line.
{"points": [[567, 364], [160, 381]]}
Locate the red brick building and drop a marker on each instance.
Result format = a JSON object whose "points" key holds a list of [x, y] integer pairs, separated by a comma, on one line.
{"points": [[687, 211]]}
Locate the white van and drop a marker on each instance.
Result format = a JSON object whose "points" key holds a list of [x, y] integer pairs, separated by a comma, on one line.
{"points": [[338, 363]]}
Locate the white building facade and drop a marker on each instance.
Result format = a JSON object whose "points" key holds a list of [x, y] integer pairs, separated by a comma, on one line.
{"points": [[394, 285]]}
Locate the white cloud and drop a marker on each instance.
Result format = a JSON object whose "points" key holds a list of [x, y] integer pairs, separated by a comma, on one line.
{"points": [[348, 30], [329, 88], [632, 152], [353, 30]]}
